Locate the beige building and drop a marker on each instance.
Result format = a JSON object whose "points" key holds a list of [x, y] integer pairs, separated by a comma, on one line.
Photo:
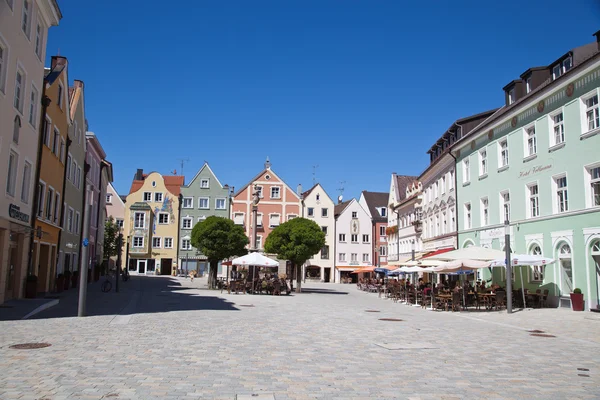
{"points": [[151, 223], [115, 208], [23, 31]]}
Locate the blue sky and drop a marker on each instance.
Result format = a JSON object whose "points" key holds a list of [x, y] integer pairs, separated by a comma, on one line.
{"points": [[360, 88]]}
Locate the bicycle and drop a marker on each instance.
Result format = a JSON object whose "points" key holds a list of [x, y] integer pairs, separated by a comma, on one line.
{"points": [[107, 284]]}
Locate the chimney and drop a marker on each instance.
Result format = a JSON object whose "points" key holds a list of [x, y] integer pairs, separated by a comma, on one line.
{"points": [[597, 34], [299, 189], [58, 60], [139, 175], [78, 84]]}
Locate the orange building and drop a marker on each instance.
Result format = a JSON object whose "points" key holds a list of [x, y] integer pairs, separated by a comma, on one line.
{"points": [[50, 187]]}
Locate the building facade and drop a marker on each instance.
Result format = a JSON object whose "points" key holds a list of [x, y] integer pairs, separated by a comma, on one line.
{"points": [[278, 203], [72, 214], [376, 205], [48, 218], [354, 245], [23, 32], [318, 206], [536, 164], [202, 197], [396, 219], [115, 208], [151, 223], [410, 228]]}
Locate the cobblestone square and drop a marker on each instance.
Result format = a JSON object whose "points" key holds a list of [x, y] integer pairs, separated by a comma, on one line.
{"points": [[169, 338]]}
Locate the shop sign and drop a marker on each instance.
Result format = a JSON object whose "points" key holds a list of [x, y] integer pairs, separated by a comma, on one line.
{"points": [[14, 211], [526, 173]]}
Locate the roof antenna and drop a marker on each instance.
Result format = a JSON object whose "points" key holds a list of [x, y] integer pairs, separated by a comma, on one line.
{"points": [[341, 188], [182, 161], [315, 174]]}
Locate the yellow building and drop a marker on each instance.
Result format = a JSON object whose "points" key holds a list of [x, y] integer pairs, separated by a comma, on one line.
{"points": [[151, 223], [49, 199]]}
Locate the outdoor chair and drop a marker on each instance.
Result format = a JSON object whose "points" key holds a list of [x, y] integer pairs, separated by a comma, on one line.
{"points": [[544, 298], [500, 300], [276, 288], [456, 301]]}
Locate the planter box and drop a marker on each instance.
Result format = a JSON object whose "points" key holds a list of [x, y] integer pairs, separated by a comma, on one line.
{"points": [[577, 302]]}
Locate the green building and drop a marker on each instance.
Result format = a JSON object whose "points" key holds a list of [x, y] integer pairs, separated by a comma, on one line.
{"points": [[536, 163]]}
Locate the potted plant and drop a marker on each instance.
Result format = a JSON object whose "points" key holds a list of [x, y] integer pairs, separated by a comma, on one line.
{"points": [[67, 279], [577, 300], [31, 286], [60, 283], [74, 278]]}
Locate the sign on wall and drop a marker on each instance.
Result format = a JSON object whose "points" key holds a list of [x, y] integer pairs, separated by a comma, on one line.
{"points": [[535, 170]]}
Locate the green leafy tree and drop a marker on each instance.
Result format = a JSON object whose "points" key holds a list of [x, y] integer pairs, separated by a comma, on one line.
{"points": [[111, 238], [296, 240], [218, 239]]}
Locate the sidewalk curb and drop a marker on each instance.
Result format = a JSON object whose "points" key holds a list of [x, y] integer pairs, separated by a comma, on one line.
{"points": [[41, 308]]}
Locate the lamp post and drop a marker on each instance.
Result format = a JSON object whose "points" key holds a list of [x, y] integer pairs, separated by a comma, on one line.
{"points": [[508, 267], [127, 258]]}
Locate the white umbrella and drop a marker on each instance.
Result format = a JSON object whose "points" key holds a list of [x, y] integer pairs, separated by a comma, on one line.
{"points": [[470, 253], [255, 259], [458, 265]]}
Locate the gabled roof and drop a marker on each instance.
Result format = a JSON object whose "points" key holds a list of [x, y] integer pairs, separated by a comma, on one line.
{"points": [[401, 183], [173, 183], [261, 174], [51, 75], [120, 197], [376, 200], [198, 173], [305, 194]]}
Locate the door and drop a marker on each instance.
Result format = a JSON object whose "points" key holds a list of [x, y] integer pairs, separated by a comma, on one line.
{"points": [[566, 270], [11, 273], [165, 266], [141, 266], [327, 274]]}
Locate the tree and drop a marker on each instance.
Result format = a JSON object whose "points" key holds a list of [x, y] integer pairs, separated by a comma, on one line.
{"points": [[111, 238], [218, 239], [296, 240]]}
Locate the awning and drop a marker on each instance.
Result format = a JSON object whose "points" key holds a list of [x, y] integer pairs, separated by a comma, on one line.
{"points": [[361, 270], [404, 260], [438, 251]]}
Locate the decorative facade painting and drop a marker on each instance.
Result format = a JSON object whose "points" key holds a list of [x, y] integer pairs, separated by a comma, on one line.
{"points": [[167, 207]]}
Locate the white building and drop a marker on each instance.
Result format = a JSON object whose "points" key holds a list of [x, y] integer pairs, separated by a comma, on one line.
{"points": [[23, 31], [318, 206], [410, 227], [353, 241], [398, 186]]}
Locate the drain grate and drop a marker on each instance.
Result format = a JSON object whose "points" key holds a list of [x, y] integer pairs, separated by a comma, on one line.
{"points": [[541, 335], [391, 319], [246, 305], [112, 395], [536, 331], [29, 346], [584, 375], [372, 311], [582, 369]]}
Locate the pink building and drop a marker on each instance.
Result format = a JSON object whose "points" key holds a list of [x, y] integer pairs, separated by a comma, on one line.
{"points": [[278, 203]]}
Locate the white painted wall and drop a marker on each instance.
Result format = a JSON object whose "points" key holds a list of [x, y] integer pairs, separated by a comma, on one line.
{"points": [[343, 225], [318, 200]]}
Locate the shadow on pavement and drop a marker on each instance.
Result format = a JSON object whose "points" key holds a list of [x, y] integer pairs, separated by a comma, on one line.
{"points": [[321, 291], [139, 295]]}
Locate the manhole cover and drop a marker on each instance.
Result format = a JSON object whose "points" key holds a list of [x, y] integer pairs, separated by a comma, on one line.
{"points": [[372, 311], [390, 319], [536, 331], [246, 305], [29, 346], [541, 335]]}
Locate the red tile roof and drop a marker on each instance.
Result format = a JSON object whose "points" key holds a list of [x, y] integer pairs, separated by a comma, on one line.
{"points": [[172, 182]]}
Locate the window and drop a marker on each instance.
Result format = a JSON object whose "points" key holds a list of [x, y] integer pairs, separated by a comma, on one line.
{"points": [[168, 243], [68, 166], [33, 107], [382, 251], [41, 188], [556, 71], [56, 207], [3, 63], [511, 96], [443, 185], [466, 171], [531, 141], [163, 218], [528, 84], [156, 242], [342, 257], [138, 241], [534, 204], [238, 218], [147, 196], [558, 129], [483, 162], [324, 229], [273, 220], [16, 129], [444, 224], [187, 223], [451, 183], [365, 238], [19, 86], [562, 201], [503, 144], [139, 220], [354, 214], [591, 112], [259, 242], [26, 184], [186, 244], [353, 257], [70, 220], [77, 216], [595, 185], [109, 198], [56, 142], [60, 96], [259, 219], [220, 204], [119, 222], [436, 189], [342, 237], [201, 218], [382, 230], [11, 181], [158, 197], [78, 178], [188, 202], [26, 18], [567, 64], [354, 238], [467, 215], [325, 253], [365, 257], [310, 211], [61, 152], [505, 201], [324, 212], [38, 40], [275, 192], [537, 273], [203, 203], [204, 184]]}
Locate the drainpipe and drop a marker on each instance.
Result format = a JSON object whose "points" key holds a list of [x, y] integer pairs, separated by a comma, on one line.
{"points": [[84, 209], [102, 166], [180, 198], [45, 100], [62, 206]]}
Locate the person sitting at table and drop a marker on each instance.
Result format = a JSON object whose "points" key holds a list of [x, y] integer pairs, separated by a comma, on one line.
{"points": [[427, 289]]}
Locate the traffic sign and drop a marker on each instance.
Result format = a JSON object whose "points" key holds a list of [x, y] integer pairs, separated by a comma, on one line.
{"points": [[86, 242]]}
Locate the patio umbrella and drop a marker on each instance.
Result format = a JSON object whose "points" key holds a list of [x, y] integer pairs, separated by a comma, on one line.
{"points": [[257, 260], [459, 266], [470, 253]]}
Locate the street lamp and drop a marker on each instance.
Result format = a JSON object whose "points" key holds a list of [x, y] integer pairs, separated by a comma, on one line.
{"points": [[508, 267]]}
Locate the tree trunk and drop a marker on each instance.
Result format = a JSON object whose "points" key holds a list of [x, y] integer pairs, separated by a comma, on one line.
{"points": [[212, 274], [299, 279]]}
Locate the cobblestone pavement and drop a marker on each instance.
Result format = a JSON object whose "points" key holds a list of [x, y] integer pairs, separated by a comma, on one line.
{"points": [[169, 339]]}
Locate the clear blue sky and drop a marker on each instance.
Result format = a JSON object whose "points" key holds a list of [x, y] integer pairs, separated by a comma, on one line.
{"points": [[360, 88]]}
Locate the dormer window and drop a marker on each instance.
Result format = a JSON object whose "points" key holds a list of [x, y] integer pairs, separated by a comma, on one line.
{"points": [[511, 96], [567, 64], [528, 84], [556, 71]]}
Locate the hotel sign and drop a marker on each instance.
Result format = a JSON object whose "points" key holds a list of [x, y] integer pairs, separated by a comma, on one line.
{"points": [[14, 211], [527, 173]]}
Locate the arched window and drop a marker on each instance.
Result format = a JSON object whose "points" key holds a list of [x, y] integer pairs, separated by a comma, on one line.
{"points": [[566, 269], [537, 272], [16, 129]]}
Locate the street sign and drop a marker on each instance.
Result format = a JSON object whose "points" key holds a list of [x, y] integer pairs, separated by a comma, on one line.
{"points": [[86, 242]]}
